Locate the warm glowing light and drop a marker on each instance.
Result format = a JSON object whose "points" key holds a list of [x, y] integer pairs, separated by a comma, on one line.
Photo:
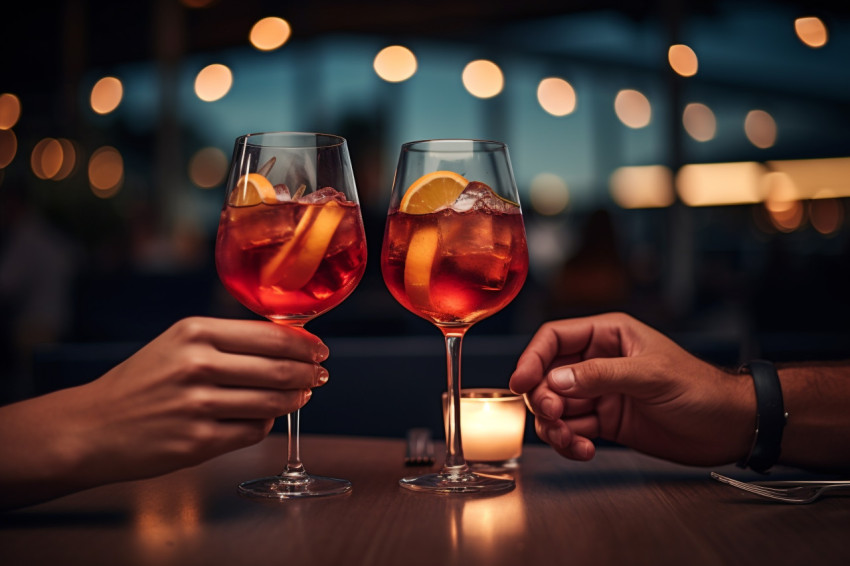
{"points": [[811, 31], [8, 147], [549, 194], [69, 160], [683, 60], [650, 186], [556, 96], [699, 121], [213, 82], [712, 184], [106, 95], [163, 515], [483, 79], [633, 108], [826, 215], [760, 128], [487, 523], [10, 110], [784, 209], [812, 177], [270, 33], [493, 423], [208, 167], [36, 161], [395, 63], [51, 158], [106, 171]]}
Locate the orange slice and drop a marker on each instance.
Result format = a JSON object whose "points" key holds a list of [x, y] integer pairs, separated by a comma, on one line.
{"points": [[418, 265], [299, 258], [432, 192], [251, 189]]}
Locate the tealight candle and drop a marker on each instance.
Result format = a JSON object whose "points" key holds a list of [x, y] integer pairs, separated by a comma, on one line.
{"points": [[492, 424]]}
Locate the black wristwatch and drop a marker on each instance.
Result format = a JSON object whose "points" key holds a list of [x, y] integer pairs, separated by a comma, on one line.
{"points": [[770, 418]]}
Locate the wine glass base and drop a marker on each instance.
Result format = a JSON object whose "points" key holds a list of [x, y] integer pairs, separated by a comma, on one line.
{"points": [[278, 487], [466, 482]]}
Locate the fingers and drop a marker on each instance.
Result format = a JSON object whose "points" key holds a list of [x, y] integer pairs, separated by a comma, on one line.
{"points": [[565, 440], [226, 404], [252, 337], [543, 402], [599, 376], [258, 372], [569, 341]]}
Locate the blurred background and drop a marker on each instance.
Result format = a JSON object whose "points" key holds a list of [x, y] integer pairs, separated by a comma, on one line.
{"points": [[685, 162]]}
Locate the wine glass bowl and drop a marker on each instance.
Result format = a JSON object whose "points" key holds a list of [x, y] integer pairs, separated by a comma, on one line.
{"points": [[291, 246], [454, 252]]}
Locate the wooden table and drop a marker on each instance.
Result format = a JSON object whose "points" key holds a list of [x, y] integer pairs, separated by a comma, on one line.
{"points": [[621, 508]]}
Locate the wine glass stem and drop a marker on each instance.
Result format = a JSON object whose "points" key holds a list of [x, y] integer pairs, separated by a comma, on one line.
{"points": [[294, 470], [455, 462]]}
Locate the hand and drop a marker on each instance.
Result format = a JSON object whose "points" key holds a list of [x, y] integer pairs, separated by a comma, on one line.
{"points": [[202, 388], [614, 378]]}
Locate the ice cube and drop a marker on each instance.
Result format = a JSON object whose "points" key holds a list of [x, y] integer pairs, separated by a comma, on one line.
{"points": [[479, 196], [468, 233], [282, 192], [323, 195], [486, 270]]}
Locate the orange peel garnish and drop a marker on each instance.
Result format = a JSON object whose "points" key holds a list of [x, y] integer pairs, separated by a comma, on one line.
{"points": [[299, 258], [252, 189]]}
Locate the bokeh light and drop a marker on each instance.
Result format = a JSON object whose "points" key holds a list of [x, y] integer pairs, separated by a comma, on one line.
{"points": [[106, 95], [713, 184], [699, 121], [826, 215], [8, 147], [633, 108], [483, 78], [811, 31], [208, 167], [270, 33], [782, 202], [69, 160], [549, 194], [36, 157], [683, 60], [760, 128], [649, 186], [556, 96], [213, 82], [813, 177], [53, 159], [395, 63], [106, 171], [10, 110]]}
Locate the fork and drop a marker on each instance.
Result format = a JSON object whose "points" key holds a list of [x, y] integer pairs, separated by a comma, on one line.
{"points": [[420, 447], [799, 492]]}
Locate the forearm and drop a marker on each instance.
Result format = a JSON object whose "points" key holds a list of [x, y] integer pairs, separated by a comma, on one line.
{"points": [[38, 458], [817, 400]]}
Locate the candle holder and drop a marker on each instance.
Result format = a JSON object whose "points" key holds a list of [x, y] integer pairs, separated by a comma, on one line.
{"points": [[493, 424]]}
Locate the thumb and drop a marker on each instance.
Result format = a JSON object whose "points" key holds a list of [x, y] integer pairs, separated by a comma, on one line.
{"points": [[600, 376]]}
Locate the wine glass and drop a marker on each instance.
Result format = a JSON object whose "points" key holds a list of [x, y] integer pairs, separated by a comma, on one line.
{"points": [[454, 253], [290, 247]]}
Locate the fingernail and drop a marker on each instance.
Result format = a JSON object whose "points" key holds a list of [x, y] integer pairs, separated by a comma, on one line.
{"points": [[307, 394], [547, 407], [321, 352], [555, 436], [563, 378], [322, 374]]}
